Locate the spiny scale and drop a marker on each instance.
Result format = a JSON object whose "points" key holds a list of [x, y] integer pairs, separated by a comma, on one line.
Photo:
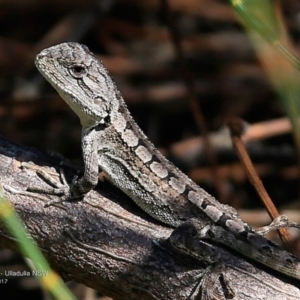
{"points": [[112, 141]]}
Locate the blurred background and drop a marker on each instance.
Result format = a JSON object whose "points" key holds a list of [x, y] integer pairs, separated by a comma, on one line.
{"points": [[184, 69]]}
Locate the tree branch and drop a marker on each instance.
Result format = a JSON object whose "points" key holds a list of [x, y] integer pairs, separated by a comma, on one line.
{"points": [[106, 242]]}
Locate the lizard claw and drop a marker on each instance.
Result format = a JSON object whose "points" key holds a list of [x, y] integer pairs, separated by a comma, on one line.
{"points": [[66, 191]]}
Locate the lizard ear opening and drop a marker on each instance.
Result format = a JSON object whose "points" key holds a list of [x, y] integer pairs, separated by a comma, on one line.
{"points": [[77, 71]]}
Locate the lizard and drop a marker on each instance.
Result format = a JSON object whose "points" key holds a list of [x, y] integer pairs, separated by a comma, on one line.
{"points": [[113, 142], [187, 239], [214, 281]]}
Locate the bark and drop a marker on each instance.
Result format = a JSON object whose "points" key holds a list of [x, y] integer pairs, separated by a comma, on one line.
{"points": [[109, 244]]}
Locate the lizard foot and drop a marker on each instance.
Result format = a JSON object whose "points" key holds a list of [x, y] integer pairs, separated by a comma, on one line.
{"points": [[279, 222], [213, 282], [58, 188]]}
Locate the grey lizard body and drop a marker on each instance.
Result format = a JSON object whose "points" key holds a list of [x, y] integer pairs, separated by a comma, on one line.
{"points": [[113, 142]]}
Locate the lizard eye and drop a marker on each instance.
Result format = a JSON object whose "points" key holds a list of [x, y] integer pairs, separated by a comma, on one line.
{"points": [[77, 71]]}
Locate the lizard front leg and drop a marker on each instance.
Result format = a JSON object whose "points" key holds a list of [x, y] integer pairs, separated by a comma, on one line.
{"points": [[90, 158], [79, 187]]}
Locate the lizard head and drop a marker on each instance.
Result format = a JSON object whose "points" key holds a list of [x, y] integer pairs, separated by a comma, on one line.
{"points": [[80, 79]]}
